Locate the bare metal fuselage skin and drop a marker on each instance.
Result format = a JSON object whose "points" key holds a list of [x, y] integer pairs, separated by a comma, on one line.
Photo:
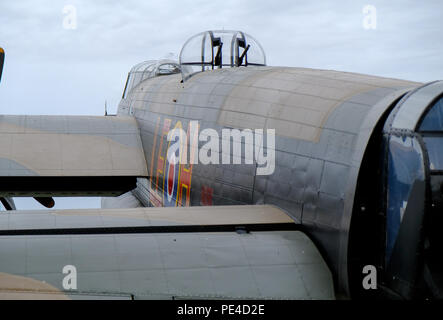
{"points": [[328, 126]]}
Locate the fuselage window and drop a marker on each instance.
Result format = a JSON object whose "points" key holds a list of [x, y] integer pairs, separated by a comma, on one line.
{"points": [[433, 121], [147, 70], [127, 88], [431, 129], [434, 146], [166, 69], [405, 167]]}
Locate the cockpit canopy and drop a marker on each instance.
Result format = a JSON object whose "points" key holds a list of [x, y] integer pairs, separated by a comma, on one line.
{"points": [[149, 69], [218, 49]]}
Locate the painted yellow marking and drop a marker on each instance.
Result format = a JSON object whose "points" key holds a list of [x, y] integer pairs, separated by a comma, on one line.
{"points": [[161, 160], [151, 172]]}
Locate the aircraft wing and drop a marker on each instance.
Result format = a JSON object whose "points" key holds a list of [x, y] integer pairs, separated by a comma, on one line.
{"points": [[182, 252], [69, 155]]}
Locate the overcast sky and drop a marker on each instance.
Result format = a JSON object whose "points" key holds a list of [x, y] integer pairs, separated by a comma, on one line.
{"points": [[53, 70]]}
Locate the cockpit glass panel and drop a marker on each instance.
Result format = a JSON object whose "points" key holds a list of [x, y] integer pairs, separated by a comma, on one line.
{"points": [[150, 69], [211, 50], [167, 68], [255, 53], [431, 129], [434, 146], [405, 166], [433, 121]]}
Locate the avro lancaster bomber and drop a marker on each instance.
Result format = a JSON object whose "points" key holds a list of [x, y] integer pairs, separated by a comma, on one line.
{"points": [[223, 177]]}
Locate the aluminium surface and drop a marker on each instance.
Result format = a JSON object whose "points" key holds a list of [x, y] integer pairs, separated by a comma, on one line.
{"points": [[278, 264]]}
